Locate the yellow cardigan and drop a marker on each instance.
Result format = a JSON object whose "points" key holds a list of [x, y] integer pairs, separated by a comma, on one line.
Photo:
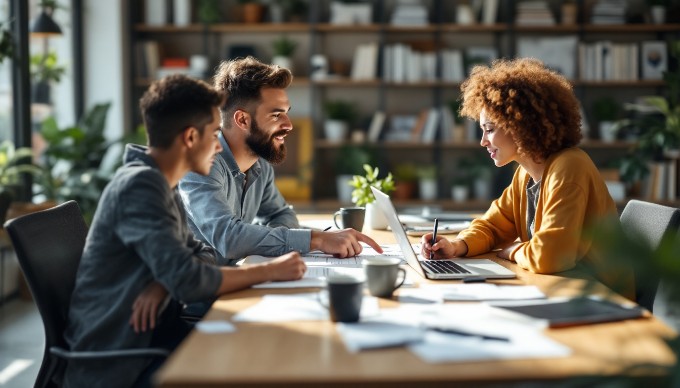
{"points": [[573, 195]]}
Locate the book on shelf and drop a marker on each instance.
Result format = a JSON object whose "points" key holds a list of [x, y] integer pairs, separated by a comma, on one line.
{"points": [[654, 59], [608, 12], [556, 52], [534, 13], [409, 13], [376, 126], [364, 62], [431, 126], [181, 12], [453, 69], [147, 59], [608, 61], [400, 128], [419, 125], [489, 11]]}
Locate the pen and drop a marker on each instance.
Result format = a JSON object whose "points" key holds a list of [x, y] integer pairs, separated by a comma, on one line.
{"points": [[327, 229], [434, 235], [467, 334]]}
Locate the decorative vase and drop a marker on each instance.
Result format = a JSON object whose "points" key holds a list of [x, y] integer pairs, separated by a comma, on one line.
{"points": [[427, 189], [335, 130], [459, 193], [658, 13], [375, 219]]}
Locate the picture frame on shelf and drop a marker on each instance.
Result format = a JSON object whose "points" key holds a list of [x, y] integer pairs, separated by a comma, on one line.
{"points": [[654, 59]]}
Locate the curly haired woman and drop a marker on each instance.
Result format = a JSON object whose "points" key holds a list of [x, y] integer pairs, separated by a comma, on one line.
{"points": [[530, 115]]}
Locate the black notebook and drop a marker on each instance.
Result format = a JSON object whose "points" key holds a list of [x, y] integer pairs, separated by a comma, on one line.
{"points": [[576, 311]]}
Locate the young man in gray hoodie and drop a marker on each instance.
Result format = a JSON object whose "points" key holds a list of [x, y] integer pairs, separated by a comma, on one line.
{"points": [[139, 246]]}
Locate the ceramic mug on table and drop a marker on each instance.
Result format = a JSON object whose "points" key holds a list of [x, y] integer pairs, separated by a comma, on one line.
{"points": [[383, 275], [344, 296], [350, 217]]}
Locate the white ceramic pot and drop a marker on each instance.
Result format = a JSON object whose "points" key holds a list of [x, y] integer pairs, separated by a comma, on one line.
{"points": [[658, 13], [608, 131], [459, 193], [375, 219], [427, 189], [335, 130]]}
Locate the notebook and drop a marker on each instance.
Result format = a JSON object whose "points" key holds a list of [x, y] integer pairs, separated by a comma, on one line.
{"points": [[437, 269], [571, 312]]}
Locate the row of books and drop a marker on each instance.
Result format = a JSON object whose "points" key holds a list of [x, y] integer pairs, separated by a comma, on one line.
{"points": [[401, 63], [661, 183], [427, 126], [608, 61]]}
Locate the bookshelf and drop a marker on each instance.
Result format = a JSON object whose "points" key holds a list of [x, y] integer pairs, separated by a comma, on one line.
{"points": [[317, 36]]}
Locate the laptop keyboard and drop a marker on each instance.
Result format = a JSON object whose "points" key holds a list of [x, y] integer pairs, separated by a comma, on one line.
{"points": [[443, 267]]}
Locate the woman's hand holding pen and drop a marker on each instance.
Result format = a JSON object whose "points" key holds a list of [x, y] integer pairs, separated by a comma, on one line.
{"points": [[442, 248]]}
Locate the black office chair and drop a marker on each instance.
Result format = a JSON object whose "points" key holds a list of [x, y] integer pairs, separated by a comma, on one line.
{"points": [[650, 222], [48, 245]]}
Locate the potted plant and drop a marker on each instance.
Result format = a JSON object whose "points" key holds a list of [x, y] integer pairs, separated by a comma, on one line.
{"points": [[405, 181], [657, 11], [44, 70], [209, 11], [13, 163], [363, 196], [480, 169], [252, 11], [340, 114], [74, 160], [606, 110], [427, 182], [284, 48], [460, 189]]}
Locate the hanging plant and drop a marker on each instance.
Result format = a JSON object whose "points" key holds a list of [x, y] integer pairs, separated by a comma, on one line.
{"points": [[6, 44]]}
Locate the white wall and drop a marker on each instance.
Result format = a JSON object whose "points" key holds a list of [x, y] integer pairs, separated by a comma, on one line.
{"points": [[103, 60]]}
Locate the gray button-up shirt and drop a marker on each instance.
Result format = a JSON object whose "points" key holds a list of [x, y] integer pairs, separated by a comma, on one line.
{"points": [[138, 235], [237, 219]]}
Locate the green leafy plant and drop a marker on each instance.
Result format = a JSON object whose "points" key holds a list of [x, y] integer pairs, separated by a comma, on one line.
{"points": [[606, 109], [362, 195], [341, 110], [283, 46], [351, 159], [14, 162], [73, 159], [209, 11], [44, 68], [427, 172], [405, 172]]}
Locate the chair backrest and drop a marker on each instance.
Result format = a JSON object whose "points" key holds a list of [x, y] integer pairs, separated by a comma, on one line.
{"points": [[48, 245], [650, 222]]}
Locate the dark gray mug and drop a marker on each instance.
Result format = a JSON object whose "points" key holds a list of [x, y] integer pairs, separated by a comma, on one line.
{"points": [[382, 275], [350, 217], [345, 294]]}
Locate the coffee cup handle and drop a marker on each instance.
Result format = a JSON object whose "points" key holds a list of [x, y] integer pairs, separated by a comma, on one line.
{"points": [[335, 219], [403, 278]]}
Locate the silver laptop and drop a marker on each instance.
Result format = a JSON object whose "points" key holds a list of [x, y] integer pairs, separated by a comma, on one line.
{"points": [[437, 269]]}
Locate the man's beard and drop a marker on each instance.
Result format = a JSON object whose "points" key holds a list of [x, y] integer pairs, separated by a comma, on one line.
{"points": [[262, 144]]}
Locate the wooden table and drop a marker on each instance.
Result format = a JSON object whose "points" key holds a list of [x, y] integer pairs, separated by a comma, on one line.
{"points": [[295, 354]]}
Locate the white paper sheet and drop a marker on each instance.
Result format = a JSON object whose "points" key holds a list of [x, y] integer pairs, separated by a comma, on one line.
{"points": [[483, 291], [296, 307]]}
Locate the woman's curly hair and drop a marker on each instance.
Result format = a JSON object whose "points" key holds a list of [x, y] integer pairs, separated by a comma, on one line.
{"points": [[532, 103]]}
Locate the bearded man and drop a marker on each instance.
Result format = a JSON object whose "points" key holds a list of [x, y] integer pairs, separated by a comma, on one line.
{"points": [[237, 208]]}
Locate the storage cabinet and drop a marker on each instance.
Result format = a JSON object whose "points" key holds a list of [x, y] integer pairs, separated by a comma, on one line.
{"points": [[338, 45]]}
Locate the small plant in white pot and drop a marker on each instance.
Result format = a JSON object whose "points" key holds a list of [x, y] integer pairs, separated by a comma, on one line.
{"points": [[363, 196], [340, 115], [427, 182], [284, 48]]}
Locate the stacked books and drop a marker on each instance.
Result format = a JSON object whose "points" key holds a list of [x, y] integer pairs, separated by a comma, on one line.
{"points": [[609, 12], [409, 13], [534, 13]]}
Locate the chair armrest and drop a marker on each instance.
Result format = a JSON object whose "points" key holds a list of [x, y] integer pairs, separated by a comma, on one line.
{"points": [[142, 352]]}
